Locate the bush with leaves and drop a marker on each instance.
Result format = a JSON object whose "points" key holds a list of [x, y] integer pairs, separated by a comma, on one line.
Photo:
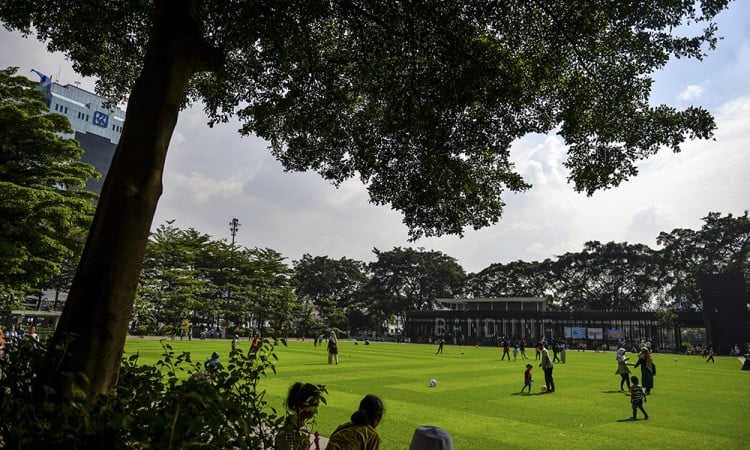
{"points": [[175, 404]]}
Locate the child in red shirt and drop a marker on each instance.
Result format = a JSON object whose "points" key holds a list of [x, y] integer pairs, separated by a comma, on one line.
{"points": [[527, 378]]}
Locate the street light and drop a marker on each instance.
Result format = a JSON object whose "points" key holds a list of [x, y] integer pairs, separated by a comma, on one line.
{"points": [[234, 226]]}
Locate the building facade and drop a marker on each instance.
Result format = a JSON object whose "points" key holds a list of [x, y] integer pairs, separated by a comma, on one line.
{"points": [[725, 317], [96, 127]]}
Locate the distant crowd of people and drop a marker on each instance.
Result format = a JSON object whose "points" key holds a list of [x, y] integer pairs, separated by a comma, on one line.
{"points": [[10, 336]]}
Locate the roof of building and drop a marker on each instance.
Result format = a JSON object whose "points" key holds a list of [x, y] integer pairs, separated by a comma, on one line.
{"points": [[458, 301]]}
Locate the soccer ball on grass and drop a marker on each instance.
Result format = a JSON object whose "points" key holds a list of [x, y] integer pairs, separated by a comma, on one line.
{"points": [[433, 382], [544, 389]]}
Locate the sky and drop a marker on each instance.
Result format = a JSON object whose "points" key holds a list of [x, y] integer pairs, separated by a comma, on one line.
{"points": [[213, 175]]}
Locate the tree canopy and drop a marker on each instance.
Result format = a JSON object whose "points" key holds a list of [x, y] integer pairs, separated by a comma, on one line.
{"points": [[43, 208], [421, 101]]}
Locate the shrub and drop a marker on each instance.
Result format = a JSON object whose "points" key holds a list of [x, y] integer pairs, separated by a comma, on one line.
{"points": [[173, 404]]}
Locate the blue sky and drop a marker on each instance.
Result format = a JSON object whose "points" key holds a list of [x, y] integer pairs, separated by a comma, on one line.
{"points": [[213, 175]]}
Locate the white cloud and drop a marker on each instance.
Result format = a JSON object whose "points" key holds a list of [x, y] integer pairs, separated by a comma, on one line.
{"points": [[692, 92]]}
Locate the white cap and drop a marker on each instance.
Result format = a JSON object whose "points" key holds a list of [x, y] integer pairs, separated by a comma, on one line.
{"points": [[431, 438]]}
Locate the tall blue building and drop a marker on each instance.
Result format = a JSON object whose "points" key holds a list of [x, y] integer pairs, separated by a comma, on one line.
{"points": [[97, 128]]}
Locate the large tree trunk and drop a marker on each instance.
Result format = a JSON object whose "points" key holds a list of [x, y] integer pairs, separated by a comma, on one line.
{"points": [[100, 301]]}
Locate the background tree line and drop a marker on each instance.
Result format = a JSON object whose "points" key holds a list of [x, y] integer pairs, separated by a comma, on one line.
{"points": [[189, 276]]}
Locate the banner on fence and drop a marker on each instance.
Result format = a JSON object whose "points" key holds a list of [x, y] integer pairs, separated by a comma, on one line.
{"points": [[595, 333], [575, 332], [614, 333]]}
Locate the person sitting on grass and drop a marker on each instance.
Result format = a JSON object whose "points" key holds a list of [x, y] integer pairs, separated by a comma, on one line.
{"points": [[302, 405], [359, 433], [213, 363]]}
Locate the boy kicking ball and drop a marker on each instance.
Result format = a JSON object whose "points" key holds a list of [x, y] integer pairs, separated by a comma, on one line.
{"points": [[637, 397], [527, 378]]}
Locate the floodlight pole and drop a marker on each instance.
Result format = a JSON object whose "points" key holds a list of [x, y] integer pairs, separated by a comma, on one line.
{"points": [[234, 226]]}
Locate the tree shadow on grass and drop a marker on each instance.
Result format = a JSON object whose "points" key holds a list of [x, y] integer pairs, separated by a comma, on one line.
{"points": [[527, 394], [631, 420], [616, 392]]}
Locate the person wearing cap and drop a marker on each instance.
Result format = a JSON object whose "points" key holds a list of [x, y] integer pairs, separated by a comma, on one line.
{"points": [[431, 438]]}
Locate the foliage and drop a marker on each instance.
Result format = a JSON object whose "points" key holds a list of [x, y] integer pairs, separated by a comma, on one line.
{"points": [[607, 276], [43, 206], [174, 279], [347, 295], [332, 286], [174, 403], [421, 101], [721, 245], [409, 279], [189, 276], [514, 279]]}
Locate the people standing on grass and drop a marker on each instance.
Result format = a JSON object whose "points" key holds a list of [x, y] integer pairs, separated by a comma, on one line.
{"points": [[547, 366], [359, 433], [648, 369], [637, 398], [538, 350], [562, 351], [710, 355], [333, 348], [527, 380], [515, 350], [622, 368], [441, 342], [555, 351], [506, 350], [302, 405], [523, 349]]}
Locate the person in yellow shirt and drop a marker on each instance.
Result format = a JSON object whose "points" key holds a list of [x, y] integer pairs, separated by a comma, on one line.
{"points": [[302, 405], [359, 433]]}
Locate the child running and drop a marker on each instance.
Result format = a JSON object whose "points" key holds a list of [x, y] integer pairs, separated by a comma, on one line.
{"points": [[637, 397], [527, 378]]}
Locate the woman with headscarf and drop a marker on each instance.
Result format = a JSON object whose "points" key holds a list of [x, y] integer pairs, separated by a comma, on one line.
{"points": [[333, 348], [302, 405], [359, 433], [622, 368], [648, 369]]}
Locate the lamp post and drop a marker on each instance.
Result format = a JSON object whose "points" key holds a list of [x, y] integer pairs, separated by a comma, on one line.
{"points": [[234, 226]]}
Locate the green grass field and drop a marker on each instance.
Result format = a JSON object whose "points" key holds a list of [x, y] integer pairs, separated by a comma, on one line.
{"points": [[694, 404]]}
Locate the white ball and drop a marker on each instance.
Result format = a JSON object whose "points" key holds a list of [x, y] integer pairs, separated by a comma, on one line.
{"points": [[544, 388], [433, 382]]}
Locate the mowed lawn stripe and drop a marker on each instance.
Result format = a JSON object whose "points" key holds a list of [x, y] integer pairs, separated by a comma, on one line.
{"points": [[694, 404]]}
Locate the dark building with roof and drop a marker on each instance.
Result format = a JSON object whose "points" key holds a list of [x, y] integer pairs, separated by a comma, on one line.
{"points": [[725, 317]]}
